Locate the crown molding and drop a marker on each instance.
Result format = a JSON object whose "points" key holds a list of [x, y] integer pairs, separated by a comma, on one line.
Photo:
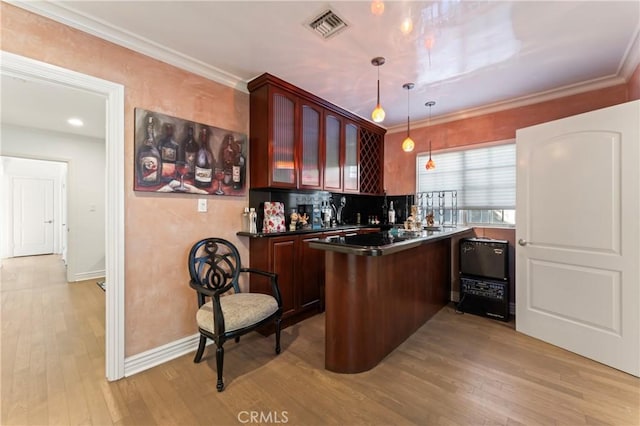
{"points": [[631, 58], [569, 90], [627, 66], [68, 16]]}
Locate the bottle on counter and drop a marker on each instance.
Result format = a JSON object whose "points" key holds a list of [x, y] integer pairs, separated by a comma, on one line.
{"points": [[148, 161], [168, 153], [385, 208], [245, 220], [392, 214], [253, 221], [204, 162]]}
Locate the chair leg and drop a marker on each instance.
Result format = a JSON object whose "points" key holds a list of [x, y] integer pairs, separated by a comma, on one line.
{"points": [[201, 346], [277, 335], [219, 364]]}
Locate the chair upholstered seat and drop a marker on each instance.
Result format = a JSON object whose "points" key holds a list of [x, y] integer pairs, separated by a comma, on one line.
{"points": [[239, 310], [214, 268]]}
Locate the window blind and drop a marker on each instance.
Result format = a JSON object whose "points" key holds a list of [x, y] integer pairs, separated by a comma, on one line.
{"points": [[485, 178]]}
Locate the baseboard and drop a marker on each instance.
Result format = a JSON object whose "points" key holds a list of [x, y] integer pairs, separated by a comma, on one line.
{"points": [[83, 276], [156, 356]]}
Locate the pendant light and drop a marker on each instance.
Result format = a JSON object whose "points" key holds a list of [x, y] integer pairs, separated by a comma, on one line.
{"points": [[430, 164], [407, 143], [377, 7], [378, 113]]}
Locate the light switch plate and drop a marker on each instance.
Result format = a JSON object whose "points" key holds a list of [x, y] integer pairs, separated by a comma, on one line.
{"points": [[202, 205]]}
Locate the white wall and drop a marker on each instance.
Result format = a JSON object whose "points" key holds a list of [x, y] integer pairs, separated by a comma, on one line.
{"points": [[86, 190]]}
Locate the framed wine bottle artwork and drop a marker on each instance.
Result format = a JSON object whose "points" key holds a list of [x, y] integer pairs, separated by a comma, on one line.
{"points": [[173, 155]]}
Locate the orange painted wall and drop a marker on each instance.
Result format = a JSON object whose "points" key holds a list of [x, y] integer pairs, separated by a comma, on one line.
{"points": [[159, 229], [399, 167]]}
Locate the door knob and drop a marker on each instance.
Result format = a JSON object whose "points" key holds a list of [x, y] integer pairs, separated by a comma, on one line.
{"points": [[522, 242], [48, 221]]}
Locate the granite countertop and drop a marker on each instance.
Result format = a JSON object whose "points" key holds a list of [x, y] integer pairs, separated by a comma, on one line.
{"points": [[304, 231], [386, 242]]}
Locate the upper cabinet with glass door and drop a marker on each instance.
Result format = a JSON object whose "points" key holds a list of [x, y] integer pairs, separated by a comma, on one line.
{"points": [[300, 141], [311, 166], [350, 167], [332, 152], [272, 138]]}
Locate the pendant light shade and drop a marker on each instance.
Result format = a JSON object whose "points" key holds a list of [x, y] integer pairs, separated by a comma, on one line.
{"points": [[430, 164], [407, 143], [378, 113], [377, 7]]}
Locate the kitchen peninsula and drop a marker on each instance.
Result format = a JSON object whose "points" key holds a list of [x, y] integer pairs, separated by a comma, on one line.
{"points": [[379, 289]]}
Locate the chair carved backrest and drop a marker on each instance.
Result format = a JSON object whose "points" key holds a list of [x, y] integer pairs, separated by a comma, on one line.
{"points": [[214, 266]]}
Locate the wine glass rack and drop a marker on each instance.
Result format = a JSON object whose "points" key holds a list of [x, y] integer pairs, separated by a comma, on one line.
{"points": [[442, 204]]}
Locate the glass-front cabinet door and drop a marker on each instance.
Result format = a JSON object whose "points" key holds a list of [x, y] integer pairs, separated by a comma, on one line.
{"points": [[310, 150], [332, 170], [283, 165], [350, 169]]}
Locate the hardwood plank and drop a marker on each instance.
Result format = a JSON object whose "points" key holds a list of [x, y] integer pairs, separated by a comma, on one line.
{"points": [[454, 370]]}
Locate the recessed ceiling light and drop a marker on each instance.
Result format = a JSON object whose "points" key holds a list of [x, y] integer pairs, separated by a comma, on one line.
{"points": [[75, 122]]}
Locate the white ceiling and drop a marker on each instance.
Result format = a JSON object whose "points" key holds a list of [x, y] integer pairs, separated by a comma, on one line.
{"points": [[484, 55], [48, 106]]}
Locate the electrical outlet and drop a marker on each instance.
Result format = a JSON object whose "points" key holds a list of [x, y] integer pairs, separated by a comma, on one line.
{"points": [[202, 205]]}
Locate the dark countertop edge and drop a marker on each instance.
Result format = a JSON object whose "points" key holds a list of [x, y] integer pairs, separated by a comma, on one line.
{"points": [[387, 249], [304, 231]]}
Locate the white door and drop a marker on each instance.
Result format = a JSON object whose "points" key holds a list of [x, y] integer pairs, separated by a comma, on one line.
{"points": [[578, 232], [63, 215], [32, 216]]}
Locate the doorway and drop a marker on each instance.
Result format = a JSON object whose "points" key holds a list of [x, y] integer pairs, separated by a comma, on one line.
{"points": [[113, 93]]}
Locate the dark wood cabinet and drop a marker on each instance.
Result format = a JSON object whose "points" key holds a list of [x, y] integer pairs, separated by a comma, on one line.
{"points": [[311, 165], [276, 254], [300, 272], [300, 141], [332, 151], [274, 124], [311, 274], [350, 166], [370, 162]]}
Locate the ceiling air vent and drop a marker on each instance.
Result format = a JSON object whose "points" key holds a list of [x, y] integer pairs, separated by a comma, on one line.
{"points": [[327, 24]]}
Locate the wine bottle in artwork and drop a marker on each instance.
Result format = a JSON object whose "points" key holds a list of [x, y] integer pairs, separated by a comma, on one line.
{"points": [[239, 166], [227, 154], [204, 162], [168, 153], [148, 160], [190, 148]]}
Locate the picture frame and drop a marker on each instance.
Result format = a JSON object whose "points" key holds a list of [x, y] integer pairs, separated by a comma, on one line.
{"points": [[178, 156]]}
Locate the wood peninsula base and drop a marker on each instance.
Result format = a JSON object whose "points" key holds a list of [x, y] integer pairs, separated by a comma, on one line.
{"points": [[375, 300]]}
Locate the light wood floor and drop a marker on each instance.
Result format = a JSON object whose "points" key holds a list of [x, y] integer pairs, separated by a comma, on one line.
{"points": [[455, 370]]}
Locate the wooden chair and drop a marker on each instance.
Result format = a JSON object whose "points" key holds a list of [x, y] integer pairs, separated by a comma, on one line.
{"points": [[224, 312]]}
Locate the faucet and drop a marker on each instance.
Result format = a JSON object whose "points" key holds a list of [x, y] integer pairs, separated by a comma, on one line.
{"points": [[334, 213], [343, 202]]}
